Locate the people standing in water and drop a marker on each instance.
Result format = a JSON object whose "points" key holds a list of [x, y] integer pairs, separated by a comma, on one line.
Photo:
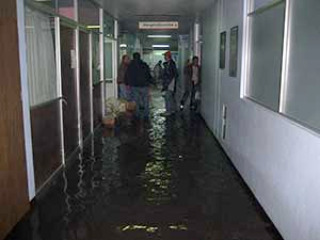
{"points": [[122, 88], [158, 71], [138, 78], [170, 74], [192, 83]]}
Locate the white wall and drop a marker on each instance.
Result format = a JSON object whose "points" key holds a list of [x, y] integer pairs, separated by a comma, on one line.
{"points": [[279, 159], [211, 38]]}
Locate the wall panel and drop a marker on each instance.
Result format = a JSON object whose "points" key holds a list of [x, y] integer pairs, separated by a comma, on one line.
{"points": [[13, 177]]}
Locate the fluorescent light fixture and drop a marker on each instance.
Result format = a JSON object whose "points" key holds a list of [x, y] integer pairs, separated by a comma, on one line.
{"points": [[159, 36], [123, 45], [161, 46], [93, 27]]}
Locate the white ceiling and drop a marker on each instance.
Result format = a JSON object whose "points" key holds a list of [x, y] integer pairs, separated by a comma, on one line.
{"points": [[129, 12]]}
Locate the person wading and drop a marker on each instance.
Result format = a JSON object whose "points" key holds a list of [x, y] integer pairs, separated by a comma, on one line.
{"points": [[170, 74], [122, 88], [138, 78], [192, 83], [158, 72]]}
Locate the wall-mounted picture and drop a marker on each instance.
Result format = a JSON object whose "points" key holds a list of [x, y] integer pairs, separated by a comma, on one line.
{"points": [[233, 57], [223, 41]]}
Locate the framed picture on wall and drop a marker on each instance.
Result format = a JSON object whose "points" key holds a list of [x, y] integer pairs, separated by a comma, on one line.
{"points": [[233, 54], [223, 41]]}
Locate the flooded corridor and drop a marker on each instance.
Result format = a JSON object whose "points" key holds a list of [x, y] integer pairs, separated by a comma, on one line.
{"points": [[167, 179]]}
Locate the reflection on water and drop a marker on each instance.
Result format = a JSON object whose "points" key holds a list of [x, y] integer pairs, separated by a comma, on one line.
{"points": [[167, 179], [157, 178]]}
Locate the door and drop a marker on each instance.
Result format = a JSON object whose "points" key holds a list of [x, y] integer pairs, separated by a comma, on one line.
{"points": [[85, 86], [69, 89], [14, 200], [43, 95], [96, 80]]}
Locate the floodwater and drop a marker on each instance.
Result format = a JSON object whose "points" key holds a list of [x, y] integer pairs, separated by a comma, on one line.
{"points": [[167, 179]]}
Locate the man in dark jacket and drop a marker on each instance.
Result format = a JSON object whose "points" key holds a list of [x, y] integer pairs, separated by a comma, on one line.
{"points": [[170, 75], [138, 78], [192, 83]]}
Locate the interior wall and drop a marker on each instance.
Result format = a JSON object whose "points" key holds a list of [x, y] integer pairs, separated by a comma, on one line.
{"points": [[14, 200], [278, 158]]}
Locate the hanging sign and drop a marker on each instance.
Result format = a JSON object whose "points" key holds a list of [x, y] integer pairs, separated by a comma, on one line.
{"points": [[159, 25]]}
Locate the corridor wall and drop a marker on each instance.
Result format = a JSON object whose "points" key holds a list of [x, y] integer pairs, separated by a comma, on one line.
{"points": [[13, 170], [278, 158]]}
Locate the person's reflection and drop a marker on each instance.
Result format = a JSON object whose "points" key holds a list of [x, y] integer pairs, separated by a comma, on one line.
{"points": [[133, 158]]}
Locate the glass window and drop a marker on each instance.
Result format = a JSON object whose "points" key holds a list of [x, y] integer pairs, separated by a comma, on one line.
{"points": [[40, 40], [108, 25], [266, 50], [302, 101]]}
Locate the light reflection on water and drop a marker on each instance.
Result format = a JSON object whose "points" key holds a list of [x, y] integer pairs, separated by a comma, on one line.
{"points": [[164, 180]]}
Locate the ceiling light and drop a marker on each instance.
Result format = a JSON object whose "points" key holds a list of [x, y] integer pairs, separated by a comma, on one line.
{"points": [[93, 26], [159, 36], [161, 46], [123, 45]]}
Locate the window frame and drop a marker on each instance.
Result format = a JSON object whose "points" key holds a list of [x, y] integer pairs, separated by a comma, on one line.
{"points": [[249, 11]]}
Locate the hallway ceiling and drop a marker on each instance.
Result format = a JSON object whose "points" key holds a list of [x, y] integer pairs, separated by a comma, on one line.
{"points": [[130, 12]]}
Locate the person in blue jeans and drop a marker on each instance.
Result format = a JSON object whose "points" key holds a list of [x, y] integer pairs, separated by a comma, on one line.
{"points": [[170, 75], [138, 78]]}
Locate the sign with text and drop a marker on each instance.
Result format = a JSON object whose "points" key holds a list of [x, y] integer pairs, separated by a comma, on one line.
{"points": [[159, 25]]}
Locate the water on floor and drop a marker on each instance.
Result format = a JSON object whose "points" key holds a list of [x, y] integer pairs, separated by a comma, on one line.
{"points": [[167, 179]]}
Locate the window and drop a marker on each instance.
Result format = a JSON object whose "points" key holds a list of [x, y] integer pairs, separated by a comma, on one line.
{"points": [[267, 23], [41, 57], [302, 87]]}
